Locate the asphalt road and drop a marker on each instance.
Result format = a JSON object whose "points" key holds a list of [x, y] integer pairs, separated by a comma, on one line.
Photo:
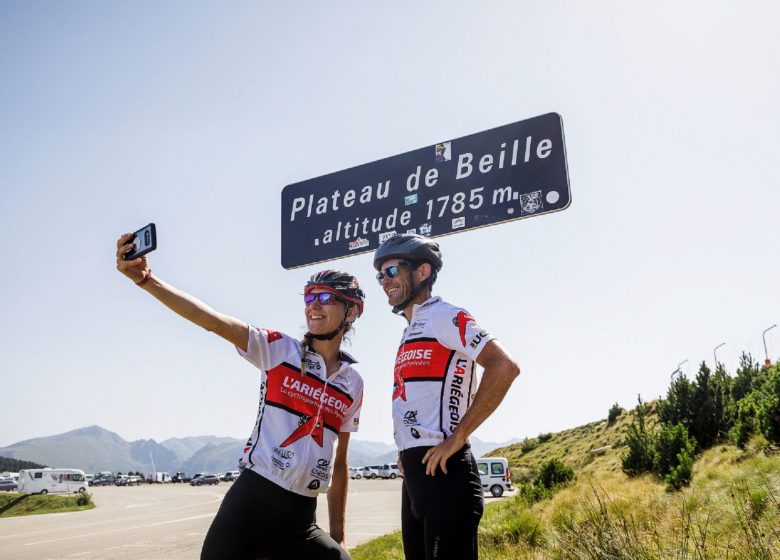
{"points": [[169, 521]]}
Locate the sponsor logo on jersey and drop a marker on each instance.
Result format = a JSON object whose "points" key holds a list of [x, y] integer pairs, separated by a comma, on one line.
{"points": [[308, 425], [321, 470], [415, 354], [457, 392], [415, 433], [423, 360], [460, 321], [283, 453], [399, 389], [272, 336], [313, 364], [358, 243], [282, 458], [478, 339], [410, 418], [314, 485], [316, 393]]}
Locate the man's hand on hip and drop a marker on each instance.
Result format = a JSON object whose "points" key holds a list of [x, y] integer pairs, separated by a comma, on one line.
{"points": [[437, 456]]}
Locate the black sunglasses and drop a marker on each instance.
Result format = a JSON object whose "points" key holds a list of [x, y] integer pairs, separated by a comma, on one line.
{"points": [[391, 271]]}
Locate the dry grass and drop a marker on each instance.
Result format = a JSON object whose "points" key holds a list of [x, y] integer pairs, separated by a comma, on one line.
{"points": [[730, 511]]}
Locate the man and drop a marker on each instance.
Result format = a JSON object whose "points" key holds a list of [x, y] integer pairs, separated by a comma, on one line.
{"points": [[436, 404]]}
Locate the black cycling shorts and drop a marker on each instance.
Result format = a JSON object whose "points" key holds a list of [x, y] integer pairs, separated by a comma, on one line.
{"points": [[440, 514], [261, 520]]}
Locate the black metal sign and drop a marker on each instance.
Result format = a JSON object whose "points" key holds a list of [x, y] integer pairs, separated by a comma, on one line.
{"points": [[506, 173]]}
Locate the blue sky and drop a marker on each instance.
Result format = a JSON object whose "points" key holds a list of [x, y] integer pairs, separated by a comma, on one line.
{"points": [[195, 115]]}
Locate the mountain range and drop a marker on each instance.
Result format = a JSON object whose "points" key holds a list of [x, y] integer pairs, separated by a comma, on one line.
{"points": [[96, 449]]}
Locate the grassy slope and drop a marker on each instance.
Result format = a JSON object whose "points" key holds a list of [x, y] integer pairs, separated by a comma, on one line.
{"points": [[13, 504], [731, 510]]}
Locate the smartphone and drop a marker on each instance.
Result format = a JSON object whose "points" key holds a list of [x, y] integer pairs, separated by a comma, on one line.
{"points": [[145, 241]]}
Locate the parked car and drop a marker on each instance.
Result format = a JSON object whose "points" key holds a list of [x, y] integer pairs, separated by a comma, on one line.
{"points": [[495, 475], [389, 471], [103, 478], [180, 477], [205, 479], [134, 480], [371, 472], [231, 476], [355, 472], [8, 485]]}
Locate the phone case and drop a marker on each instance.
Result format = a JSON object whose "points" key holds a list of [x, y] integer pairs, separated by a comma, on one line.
{"points": [[147, 246]]}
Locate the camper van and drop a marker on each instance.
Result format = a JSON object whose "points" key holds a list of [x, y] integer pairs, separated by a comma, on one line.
{"points": [[494, 472], [43, 481]]}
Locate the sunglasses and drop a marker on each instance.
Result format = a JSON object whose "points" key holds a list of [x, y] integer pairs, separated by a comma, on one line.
{"points": [[391, 271], [325, 298]]}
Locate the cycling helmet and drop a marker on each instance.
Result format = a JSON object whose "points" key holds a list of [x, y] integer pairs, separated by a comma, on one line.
{"points": [[412, 247], [343, 285]]}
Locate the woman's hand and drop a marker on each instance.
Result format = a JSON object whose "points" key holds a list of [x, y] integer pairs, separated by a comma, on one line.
{"points": [[136, 269]]}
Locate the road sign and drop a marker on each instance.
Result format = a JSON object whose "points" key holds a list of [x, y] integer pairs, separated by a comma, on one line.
{"points": [[507, 173]]}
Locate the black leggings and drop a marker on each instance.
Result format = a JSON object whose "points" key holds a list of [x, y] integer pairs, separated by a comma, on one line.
{"points": [[259, 519], [440, 514]]}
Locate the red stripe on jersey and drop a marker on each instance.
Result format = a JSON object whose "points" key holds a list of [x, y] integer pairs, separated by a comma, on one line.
{"points": [[424, 358], [303, 394]]}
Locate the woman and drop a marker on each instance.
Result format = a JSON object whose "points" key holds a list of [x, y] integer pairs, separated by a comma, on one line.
{"points": [[310, 397]]}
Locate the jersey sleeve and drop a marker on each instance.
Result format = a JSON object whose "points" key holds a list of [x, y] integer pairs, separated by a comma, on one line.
{"points": [[352, 417], [266, 348], [458, 330]]}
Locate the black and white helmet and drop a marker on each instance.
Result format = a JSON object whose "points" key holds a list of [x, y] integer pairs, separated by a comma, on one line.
{"points": [[412, 247]]}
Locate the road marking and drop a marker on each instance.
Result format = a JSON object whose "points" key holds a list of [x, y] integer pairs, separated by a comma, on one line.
{"points": [[123, 529]]}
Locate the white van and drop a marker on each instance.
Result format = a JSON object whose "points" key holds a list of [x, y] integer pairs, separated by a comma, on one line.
{"points": [[43, 481], [494, 472], [389, 471]]}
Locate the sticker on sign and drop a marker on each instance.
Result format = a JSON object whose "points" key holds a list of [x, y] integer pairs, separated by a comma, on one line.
{"points": [[506, 173]]}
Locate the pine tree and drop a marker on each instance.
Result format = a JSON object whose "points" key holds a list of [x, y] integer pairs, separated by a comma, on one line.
{"points": [[639, 457]]}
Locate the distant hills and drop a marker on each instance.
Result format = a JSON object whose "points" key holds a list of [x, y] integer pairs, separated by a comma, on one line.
{"points": [[96, 449]]}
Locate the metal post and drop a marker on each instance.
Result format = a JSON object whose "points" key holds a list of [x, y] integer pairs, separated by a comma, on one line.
{"points": [[678, 371], [715, 353], [767, 362]]}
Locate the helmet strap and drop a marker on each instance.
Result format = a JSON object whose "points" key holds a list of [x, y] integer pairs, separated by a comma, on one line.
{"points": [[399, 309], [332, 334]]}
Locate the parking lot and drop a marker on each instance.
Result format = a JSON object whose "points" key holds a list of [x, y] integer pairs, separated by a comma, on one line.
{"points": [[169, 521]]}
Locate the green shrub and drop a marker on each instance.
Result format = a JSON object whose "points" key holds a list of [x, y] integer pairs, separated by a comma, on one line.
{"points": [[614, 413], [84, 499], [747, 421], [531, 492], [528, 445], [554, 473], [671, 442], [544, 437], [682, 472], [641, 445]]}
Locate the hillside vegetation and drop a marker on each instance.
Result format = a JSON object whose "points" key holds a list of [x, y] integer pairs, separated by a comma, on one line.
{"points": [[726, 506]]}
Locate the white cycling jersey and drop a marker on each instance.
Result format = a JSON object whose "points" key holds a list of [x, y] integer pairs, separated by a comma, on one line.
{"points": [[435, 379], [300, 414]]}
